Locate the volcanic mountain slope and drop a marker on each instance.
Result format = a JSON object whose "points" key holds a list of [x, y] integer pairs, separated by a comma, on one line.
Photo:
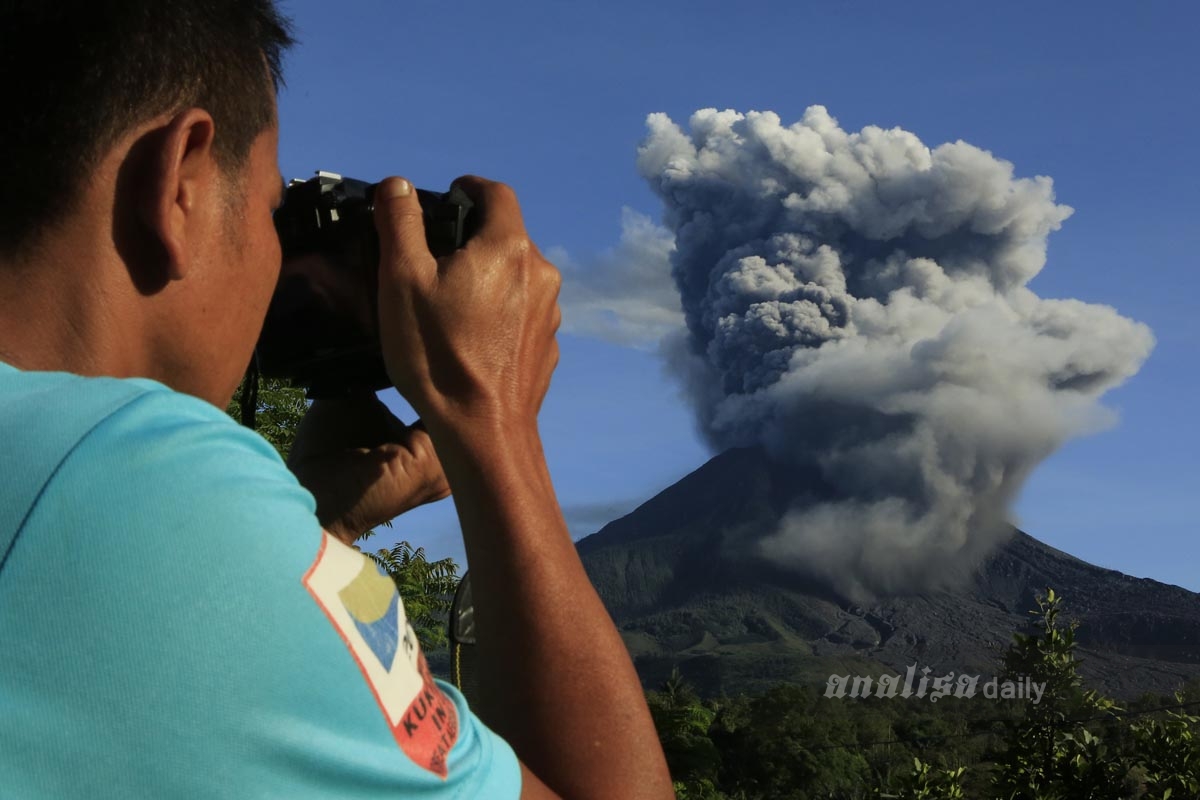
{"points": [[680, 578]]}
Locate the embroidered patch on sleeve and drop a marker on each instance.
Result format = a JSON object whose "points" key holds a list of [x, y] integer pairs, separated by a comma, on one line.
{"points": [[361, 601]]}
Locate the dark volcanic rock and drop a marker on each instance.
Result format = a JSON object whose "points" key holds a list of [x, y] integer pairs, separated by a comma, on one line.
{"points": [[681, 578]]}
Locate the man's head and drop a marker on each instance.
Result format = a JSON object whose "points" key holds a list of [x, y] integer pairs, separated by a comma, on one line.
{"points": [[80, 73], [139, 144]]}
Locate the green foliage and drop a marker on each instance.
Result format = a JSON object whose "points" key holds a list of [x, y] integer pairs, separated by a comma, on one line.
{"points": [[1051, 751], [785, 744], [698, 790], [281, 406], [792, 743], [683, 724], [426, 587], [1167, 752], [926, 782]]}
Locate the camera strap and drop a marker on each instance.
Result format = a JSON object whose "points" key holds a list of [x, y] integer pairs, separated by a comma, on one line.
{"points": [[249, 399]]}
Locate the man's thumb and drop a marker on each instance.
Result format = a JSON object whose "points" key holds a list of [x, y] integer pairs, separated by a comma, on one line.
{"points": [[401, 226]]}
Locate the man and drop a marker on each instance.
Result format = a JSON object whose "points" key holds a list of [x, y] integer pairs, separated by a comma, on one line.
{"points": [[178, 617]]}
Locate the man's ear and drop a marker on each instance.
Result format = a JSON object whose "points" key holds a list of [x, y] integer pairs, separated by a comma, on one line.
{"points": [[183, 175]]}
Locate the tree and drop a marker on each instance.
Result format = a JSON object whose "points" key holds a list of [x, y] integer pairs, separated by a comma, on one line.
{"points": [[683, 722], [787, 744], [278, 412], [1051, 751], [925, 782], [1167, 752]]}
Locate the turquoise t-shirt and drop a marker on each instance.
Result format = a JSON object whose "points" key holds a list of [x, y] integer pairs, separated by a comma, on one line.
{"points": [[175, 624]]}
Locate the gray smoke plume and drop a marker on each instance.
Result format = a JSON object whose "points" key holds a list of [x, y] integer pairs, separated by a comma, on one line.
{"points": [[859, 301]]}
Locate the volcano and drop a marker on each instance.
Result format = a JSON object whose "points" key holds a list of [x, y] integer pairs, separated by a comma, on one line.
{"points": [[682, 579]]}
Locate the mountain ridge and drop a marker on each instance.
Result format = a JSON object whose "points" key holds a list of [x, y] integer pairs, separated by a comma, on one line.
{"points": [[682, 579]]}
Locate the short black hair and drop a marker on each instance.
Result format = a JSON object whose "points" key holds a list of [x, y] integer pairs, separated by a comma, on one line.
{"points": [[79, 74]]}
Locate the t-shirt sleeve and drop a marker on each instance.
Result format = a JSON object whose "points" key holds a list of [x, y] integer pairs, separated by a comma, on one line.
{"points": [[193, 633]]}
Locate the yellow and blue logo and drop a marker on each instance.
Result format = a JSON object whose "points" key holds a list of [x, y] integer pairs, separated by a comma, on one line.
{"points": [[362, 603], [373, 604]]}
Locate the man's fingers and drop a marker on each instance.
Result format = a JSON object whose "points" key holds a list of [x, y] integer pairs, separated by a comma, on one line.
{"points": [[401, 226], [415, 469], [497, 213], [420, 445], [416, 440]]}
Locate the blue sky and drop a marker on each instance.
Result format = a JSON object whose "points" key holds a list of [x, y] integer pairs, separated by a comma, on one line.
{"points": [[553, 97]]}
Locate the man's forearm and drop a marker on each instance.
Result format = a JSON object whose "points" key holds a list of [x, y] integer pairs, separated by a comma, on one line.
{"points": [[556, 680]]}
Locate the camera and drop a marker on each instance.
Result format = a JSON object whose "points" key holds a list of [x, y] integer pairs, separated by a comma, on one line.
{"points": [[322, 327]]}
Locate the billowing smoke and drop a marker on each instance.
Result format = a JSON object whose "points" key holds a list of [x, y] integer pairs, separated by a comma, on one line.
{"points": [[859, 301]]}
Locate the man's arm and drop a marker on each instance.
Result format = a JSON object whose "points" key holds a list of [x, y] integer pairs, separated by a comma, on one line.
{"points": [[469, 341], [556, 679]]}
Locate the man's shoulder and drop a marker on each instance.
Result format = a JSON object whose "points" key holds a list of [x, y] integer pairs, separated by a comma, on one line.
{"points": [[46, 408], [61, 429], [172, 593], [45, 412], [50, 407]]}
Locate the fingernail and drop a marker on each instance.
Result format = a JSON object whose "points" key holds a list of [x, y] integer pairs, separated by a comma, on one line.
{"points": [[395, 187]]}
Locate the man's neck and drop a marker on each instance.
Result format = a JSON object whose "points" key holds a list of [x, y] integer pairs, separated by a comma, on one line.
{"points": [[61, 311]]}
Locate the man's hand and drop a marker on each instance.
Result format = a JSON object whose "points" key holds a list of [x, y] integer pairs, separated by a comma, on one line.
{"points": [[363, 465], [468, 339]]}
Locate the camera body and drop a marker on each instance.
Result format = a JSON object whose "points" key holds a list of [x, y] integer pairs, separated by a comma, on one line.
{"points": [[322, 327]]}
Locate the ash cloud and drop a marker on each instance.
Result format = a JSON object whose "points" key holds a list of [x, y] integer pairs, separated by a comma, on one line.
{"points": [[859, 300]]}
